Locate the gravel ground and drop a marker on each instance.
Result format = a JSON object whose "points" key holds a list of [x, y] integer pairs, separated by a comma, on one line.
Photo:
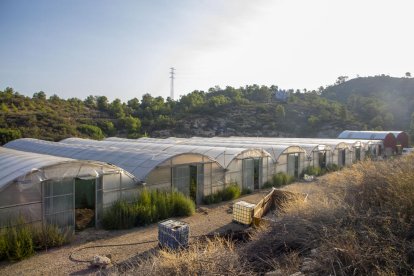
{"points": [[210, 219]]}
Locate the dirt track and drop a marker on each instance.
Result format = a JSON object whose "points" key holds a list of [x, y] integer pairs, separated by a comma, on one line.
{"points": [[57, 262]]}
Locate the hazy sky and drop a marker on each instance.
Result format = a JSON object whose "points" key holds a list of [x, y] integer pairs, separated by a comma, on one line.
{"points": [[123, 49]]}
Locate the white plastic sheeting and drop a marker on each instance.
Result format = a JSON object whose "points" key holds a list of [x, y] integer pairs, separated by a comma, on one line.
{"points": [[42, 187], [223, 155], [277, 151], [229, 157], [138, 162]]}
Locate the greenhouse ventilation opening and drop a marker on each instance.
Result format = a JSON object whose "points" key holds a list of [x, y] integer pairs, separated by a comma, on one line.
{"points": [[47, 189]]}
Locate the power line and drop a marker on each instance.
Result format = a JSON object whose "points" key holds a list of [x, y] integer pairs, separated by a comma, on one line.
{"points": [[172, 73]]}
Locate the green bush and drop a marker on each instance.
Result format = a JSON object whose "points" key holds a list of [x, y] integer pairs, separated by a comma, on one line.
{"points": [[8, 134], [16, 242], [20, 240], [3, 247], [93, 132], [278, 180], [212, 199], [121, 215], [50, 236], [148, 207], [246, 191], [332, 168], [311, 170], [230, 192], [183, 206]]}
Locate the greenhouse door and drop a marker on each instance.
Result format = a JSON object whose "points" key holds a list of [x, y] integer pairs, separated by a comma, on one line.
{"points": [[85, 202], [293, 164], [258, 164], [322, 159], [200, 183], [358, 154], [248, 174], [181, 179], [341, 159], [58, 202]]}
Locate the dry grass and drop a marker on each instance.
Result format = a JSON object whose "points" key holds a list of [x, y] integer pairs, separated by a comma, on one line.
{"points": [[215, 256], [359, 221]]}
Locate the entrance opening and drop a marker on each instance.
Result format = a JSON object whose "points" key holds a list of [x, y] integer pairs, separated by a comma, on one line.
{"points": [[256, 175], [248, 174], [358, 154], [399, 149], [341, 158], [322, 159], [193, 183], [293, 164], [85, 201], [184, 180], [296, 165]]}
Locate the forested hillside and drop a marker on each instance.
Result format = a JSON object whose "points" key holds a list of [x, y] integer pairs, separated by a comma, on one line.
{"points": [[362, 103], [377, 101]]}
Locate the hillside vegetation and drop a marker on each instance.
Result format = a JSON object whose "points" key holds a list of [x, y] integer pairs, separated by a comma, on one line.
{"points": [[362, 103], [359, 221]]}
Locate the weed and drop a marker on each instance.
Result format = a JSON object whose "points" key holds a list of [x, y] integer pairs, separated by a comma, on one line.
{"points": [[148, 207], [229, 193]]}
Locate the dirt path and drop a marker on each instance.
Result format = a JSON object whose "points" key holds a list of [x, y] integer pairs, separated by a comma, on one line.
{"points": [[216, 219]]}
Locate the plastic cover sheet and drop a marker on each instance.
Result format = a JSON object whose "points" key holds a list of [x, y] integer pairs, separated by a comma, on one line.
{"points": [[248, 174], [159, 177], [181, 179], [59, 202], [31, 213], [143, 158]]}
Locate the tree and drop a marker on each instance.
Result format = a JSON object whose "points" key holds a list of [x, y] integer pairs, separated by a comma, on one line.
{"points": [[39, 95], [117, 109], [93, 132], [280, 111], [133, 104], [341, 79], [7, 135], [408, 75], [54, 99], [90, 101], [102, 103], [131, 124], [4, 108]]}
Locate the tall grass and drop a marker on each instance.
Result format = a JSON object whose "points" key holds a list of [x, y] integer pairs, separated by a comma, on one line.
{"points": [[148, 207], [279, 179], [229, 193], [20, 240]]}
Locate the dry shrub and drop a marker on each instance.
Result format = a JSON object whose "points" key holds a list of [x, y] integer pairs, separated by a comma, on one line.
{"points": [[215, 256], [359, 220]]}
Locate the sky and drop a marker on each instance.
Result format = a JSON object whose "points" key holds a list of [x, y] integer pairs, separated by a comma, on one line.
{"points": [[124, 49]]}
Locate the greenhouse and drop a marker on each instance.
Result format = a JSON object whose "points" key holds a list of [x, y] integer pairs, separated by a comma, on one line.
{"points": [[342, 151], [318, 155], [389, 141], [49, 189], [190, 173], [288, 158], [248, 167]]}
